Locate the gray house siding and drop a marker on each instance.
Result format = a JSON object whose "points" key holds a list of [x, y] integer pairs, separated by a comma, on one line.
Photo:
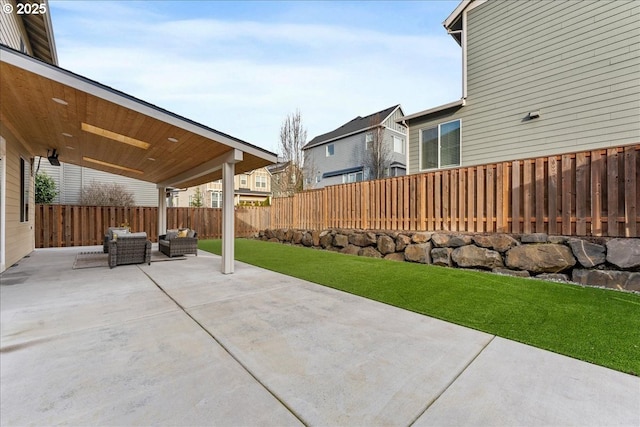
{"points": [[349, 153], [70, 179], [577, 63]]}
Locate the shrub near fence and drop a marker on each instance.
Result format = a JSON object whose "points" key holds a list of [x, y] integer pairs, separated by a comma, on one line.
{"points": [[592, 193], [70, 225]]}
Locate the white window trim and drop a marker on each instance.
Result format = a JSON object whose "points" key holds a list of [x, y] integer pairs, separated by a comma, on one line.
{"points": [[393, 142], [326, 152], [420, 147]]}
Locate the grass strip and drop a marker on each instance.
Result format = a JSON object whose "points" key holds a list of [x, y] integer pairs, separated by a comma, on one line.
{"points": [[595, 325]]}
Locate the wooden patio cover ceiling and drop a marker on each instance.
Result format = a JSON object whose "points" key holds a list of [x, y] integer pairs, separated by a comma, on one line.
{"points": [[95, 126]]}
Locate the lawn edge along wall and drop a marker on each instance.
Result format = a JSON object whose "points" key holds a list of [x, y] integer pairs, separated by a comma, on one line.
{"points": [[594, 261]]}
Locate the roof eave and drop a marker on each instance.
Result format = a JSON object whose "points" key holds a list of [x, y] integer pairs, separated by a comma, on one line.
{"points": [[455, 104], [455, 14]]}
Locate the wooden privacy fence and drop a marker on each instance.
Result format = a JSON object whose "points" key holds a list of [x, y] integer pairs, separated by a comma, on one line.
{"points": [[593, 193], [70, 225]]}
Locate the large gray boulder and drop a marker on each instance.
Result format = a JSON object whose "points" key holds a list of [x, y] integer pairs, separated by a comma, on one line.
{"points": [[534, 238], [610, 279], [362, 239], [307, 239], [396, 256], [326, 240], [418, 253], [421, 237], [540, 258], [340, 241], [441, 256], [497, 242], [402, 241], [624, 253], [588, 254], [296, 238], [351, 250], [471, 256], [370, 252], [446, 240], [386, 245], [280, 234]]}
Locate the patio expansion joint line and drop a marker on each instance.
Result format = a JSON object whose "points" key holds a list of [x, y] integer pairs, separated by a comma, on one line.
{"points": [[444, 390], [246, 368]]}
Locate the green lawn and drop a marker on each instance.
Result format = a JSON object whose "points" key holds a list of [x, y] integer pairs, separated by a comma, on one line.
{"points": [[596, 325]]}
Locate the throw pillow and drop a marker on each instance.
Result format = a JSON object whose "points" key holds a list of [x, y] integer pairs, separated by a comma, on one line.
{"points": [[183, 233], [172, 234], [191, 233]]}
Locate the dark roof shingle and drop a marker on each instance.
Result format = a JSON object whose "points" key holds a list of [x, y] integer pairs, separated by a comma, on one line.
{"points": [[353, 126]]}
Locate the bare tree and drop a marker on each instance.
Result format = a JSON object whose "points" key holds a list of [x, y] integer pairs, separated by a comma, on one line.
{"points": [[378, 156], [293, 136], [106, 194]]}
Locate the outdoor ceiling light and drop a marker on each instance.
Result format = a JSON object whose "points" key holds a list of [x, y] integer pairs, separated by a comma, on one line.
{"points": [[60, 101], [111, 165], [68, 135], [115, 136], [53, 158], [172, 139]]}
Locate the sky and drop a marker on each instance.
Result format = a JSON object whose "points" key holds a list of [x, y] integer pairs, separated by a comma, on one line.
{"points": [[241, 67]]}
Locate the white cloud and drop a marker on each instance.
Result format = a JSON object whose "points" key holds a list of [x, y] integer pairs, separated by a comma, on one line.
{"points": [[243, 77]]}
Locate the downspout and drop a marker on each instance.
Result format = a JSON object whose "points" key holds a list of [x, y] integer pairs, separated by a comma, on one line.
{"points": [[406, 153]]}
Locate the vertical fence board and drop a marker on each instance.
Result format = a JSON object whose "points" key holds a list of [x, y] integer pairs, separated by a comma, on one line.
{"points": [[540, 203], [582, 191], [515, 197], [527, 196], [630, 192], [490, 209], [612, 192], [553, 194]]}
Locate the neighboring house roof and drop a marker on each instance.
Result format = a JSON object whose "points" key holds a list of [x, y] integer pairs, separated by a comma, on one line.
{"points": [[455, 104], [342, 171], [278, 167], [358, 124]]}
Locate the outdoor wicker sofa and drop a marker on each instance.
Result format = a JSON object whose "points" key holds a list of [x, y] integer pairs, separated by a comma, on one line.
{"points": [[178, 243], [129, 248]]}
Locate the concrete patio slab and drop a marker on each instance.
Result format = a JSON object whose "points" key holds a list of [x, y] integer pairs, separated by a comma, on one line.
{"points": [[513, 384], [179, 343]]}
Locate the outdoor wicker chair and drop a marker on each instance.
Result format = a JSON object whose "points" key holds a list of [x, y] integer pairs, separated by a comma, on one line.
{"points": [[129, 248], [108, 235], [171, 245]]}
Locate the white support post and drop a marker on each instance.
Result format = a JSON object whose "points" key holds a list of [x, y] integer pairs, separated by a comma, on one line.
{"points": [[162, 211], [228, 226]]}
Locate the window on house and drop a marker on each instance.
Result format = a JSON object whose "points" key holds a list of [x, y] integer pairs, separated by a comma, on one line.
{"points": [[368, 141], [330, 150], [216, 199], [398, 145], [261, 181], [243, 181], [440, 146], [25, 172], [352, 177]]}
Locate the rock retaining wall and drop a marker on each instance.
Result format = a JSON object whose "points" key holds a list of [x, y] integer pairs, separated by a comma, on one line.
{"points": [[604, 262]]}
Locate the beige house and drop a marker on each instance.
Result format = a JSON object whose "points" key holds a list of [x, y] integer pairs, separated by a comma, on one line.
{"points": [[250, 188], [44, 108], [32, 35], [538, 79]]}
